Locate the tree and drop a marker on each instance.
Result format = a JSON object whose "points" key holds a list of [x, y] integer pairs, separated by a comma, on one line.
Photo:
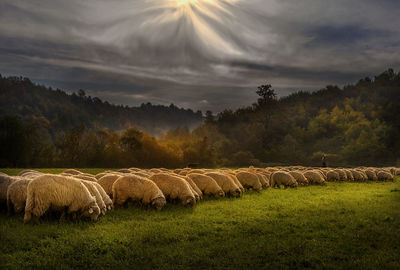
{"points": [[209, 118], [266, 103]]}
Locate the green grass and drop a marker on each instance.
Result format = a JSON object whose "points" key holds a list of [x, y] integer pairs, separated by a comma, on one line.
{"points": [[338, 226]]}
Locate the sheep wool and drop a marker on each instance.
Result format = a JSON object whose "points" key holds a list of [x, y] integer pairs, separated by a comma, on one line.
{"points": [[16, 196], [5, 182], [314, 177], [207, 185], [174, 187], [249, 180], [107, 181], [279, 178], [226, 183], [95, 193], [137, 188], [384, 175], [299, 177], [57, 192]]}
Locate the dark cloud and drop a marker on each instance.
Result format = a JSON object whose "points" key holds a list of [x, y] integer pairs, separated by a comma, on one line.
{"points": [[208, 54]]}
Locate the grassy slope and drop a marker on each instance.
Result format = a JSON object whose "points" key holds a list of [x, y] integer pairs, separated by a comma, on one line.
{"points": [[342, 225]]}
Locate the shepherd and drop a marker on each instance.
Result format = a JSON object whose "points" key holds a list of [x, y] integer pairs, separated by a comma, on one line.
{"points": [[323, 161]]}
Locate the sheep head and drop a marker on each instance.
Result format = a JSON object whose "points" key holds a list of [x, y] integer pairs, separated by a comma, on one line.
{"points": [[189, 200], [159, 203]]}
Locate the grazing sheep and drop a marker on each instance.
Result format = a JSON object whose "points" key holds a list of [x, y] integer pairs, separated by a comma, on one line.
{"points": [[279, 178], [107, 181], [31, 175], [95, 193], [342, 174], [207, 185], [137, 188], [349, 175], [314, 177], [384, 175], [371, 175], [56, 192], [357, 176], [106, 199], [16, 196], [264, 182], [226, 184], [85, 177], [5, 182], [195, 189], [200, 171], [299, 177], [143, 174], [235, 180], [174, 187], [100, 175], [332, 175], [72, 171], [249, 180], [124, 171], [28, 171]]}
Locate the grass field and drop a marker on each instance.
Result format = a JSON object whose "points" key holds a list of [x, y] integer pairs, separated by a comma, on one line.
{"points": [[338, 226]]}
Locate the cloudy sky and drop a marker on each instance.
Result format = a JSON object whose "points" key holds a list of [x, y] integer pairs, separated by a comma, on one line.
{"points": [[202, 54]]}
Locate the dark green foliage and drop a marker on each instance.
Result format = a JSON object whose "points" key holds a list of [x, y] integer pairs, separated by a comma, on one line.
{"points": [[356, 125], [19, 96]]}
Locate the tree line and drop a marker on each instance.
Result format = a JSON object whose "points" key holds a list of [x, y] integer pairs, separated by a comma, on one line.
{"points": [[354, 125]]}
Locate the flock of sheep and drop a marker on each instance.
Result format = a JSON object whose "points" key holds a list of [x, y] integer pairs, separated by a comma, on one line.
{"points": [[82, 195]]}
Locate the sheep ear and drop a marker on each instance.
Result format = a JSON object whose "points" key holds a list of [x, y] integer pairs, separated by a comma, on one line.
{"points": [[90, 210]]}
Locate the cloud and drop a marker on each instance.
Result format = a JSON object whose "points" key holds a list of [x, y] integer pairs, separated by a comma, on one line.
{"points": [[188, 52]]}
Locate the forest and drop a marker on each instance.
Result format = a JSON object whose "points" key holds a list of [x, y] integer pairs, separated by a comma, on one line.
{"points": [[353, 125]]}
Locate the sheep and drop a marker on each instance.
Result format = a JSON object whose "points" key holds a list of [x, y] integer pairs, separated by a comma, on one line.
{"points": [[384, 175], [264, 182], [106, 199], [174, 187], [16, 196], [5, 182], [100, 175], [349, 175], [299, 177], [332, 175], [137, 188], [95, 193], [72, 171], [124, 171], [226, 184], [235, 180], [200, 171], [31, 175], [59, 192], [107, 181], [249, 180], [314, 177], [21, 173], [371, 175], [342, 174], [85, 177], [195, 189], [356, 175], [207, 185], [279, 178], [143, 174]]}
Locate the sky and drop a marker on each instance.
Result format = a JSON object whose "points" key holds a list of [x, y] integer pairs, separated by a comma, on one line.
{"points": [[199, 54]]}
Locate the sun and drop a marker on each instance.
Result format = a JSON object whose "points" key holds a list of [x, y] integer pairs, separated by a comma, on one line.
{"points": [[181, 3]]}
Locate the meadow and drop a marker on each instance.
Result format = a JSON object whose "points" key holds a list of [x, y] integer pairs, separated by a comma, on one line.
{"points": [[338, 226]]}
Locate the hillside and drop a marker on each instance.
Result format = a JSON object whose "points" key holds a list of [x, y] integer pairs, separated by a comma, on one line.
{"points": [[61, 111], [355, 125]]}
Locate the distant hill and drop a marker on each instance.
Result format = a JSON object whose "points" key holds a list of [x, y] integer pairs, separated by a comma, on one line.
{"points": [[61, 111]]}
